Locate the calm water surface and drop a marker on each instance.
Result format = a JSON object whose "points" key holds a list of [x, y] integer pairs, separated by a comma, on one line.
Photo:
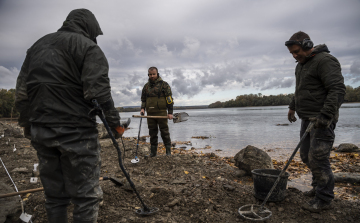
{"points": [[231, 129]]}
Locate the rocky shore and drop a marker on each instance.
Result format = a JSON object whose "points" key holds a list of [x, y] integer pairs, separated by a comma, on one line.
{"points": [[189, 186]]}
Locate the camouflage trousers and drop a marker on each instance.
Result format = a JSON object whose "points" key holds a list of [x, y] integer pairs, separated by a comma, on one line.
{"points": [[154, 124], [69, 164], [315, 153]]}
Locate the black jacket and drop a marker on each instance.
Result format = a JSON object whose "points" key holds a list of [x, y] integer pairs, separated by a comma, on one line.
{"points": [[320, 86], [62, 73]]}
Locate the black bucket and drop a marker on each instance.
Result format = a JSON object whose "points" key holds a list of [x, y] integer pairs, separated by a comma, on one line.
{"points": [[264, 180]]}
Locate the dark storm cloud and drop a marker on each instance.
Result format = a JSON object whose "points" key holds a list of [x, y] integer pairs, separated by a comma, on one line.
{"points": [[355, 71], [200, 47]]}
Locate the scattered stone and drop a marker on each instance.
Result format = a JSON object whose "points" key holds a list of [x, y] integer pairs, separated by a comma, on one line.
{"points": [[173, 203], [178, 181], [228, 187], [20, 170], [251, 158], [240, 173], [347, 148], [280, 209], [166, 209]]}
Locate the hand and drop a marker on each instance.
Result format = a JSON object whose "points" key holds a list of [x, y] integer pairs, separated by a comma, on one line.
{"points": [[118, 131], [27, 132], [291, 116], [170, 116], [142, 112], [321, 121]]}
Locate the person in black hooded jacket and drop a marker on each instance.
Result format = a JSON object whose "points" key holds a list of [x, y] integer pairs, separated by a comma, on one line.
{"points": [[319, 94], [62, 73]]}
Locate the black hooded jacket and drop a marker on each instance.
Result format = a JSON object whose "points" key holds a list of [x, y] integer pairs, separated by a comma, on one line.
{"points": [[62, 73], [320, 86]]}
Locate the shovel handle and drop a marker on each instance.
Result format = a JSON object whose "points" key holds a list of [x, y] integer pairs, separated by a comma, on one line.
{"points": [[22, 192], [142, 116], [35, 190]]}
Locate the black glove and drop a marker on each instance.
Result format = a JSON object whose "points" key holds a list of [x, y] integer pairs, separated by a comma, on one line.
{"points": [[321, 121]]}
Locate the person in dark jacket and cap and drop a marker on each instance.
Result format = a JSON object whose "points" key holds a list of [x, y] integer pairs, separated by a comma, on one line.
{"points": [[62, 73], [319, 93]]}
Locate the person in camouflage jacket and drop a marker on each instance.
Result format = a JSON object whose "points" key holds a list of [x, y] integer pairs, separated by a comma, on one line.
{"points": [[156, 99], [319, 94], [62, 73]]}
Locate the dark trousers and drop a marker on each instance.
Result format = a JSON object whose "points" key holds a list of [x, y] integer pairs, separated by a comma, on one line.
{"points": [[69, 162], [315, 152], [154, 124]]}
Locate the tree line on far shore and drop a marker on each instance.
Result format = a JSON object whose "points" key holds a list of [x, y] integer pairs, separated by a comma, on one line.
{"points": [[7, 101], [352, 95]]}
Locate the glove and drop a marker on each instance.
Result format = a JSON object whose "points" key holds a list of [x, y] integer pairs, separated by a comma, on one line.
{"points": [[291, 116], [27, 132], [321, 121], [118, 131]]}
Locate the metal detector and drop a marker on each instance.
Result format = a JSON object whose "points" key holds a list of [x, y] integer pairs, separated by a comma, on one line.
{"points": [[256, 212], [136, 159], [145, 210]]}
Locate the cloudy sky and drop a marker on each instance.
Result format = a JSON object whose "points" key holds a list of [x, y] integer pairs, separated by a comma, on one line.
{"points": [[206, 50]]}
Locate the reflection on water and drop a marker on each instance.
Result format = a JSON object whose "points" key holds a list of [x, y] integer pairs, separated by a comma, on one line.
{"points": [[232, 129]]}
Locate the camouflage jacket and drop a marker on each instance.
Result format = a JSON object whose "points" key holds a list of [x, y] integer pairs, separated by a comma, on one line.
{"points": [[152, 89]]}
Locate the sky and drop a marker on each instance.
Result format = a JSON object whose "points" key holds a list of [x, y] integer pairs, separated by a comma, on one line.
{"points": [[207, 50]]}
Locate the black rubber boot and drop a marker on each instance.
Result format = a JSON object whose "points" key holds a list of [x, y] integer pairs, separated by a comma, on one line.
{"points": [[153, 150], [168, 150], [57, 216]]}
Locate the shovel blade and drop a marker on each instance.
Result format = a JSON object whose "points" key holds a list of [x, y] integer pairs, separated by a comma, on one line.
{"points": [[180, 117], [126, 123]]}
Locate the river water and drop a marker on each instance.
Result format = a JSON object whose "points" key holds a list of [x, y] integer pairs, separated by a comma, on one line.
{"points": [[232, 129]]}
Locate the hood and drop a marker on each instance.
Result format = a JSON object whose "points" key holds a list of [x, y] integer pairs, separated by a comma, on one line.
{"points": [[82, 21], [319, 49]]}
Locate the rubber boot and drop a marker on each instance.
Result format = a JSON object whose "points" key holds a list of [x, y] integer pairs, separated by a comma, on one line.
{"points": [[168, 150], [153, 150], [57, 216]]}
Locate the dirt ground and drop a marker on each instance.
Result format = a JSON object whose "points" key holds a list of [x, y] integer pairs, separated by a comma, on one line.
{"points": [[186, 187]]}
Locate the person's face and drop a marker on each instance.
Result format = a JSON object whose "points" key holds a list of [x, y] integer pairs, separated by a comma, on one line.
{"points": [[298, 53], [152, 74]]}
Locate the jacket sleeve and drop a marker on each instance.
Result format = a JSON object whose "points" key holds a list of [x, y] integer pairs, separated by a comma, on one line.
{"points": [[292, 103], [22, 103], [167, 91], [333, 81], [143, 97], [96, 83]]}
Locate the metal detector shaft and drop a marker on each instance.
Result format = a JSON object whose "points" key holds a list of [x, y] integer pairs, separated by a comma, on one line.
{"points": [[102, 117], [308, 129], [137, 144]]}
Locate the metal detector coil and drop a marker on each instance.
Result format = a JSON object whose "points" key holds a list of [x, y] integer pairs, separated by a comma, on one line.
{"points": [[254, 212], [149, 211], [136, 160]]}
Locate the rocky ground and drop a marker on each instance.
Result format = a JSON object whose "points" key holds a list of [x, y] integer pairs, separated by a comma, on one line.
{"points": [[186, 187]]}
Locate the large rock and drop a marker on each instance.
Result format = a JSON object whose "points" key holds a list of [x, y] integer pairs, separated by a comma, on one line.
{"points": [[251, 158], [11, 130], [345, 177], [10, 207], [347, 148]]}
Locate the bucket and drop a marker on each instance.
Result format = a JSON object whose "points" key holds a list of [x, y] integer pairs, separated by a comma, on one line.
{"points": [[264, 180]]}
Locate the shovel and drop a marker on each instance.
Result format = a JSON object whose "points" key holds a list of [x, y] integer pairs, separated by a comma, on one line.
{"points": [[113, 179], [177, 117]]}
